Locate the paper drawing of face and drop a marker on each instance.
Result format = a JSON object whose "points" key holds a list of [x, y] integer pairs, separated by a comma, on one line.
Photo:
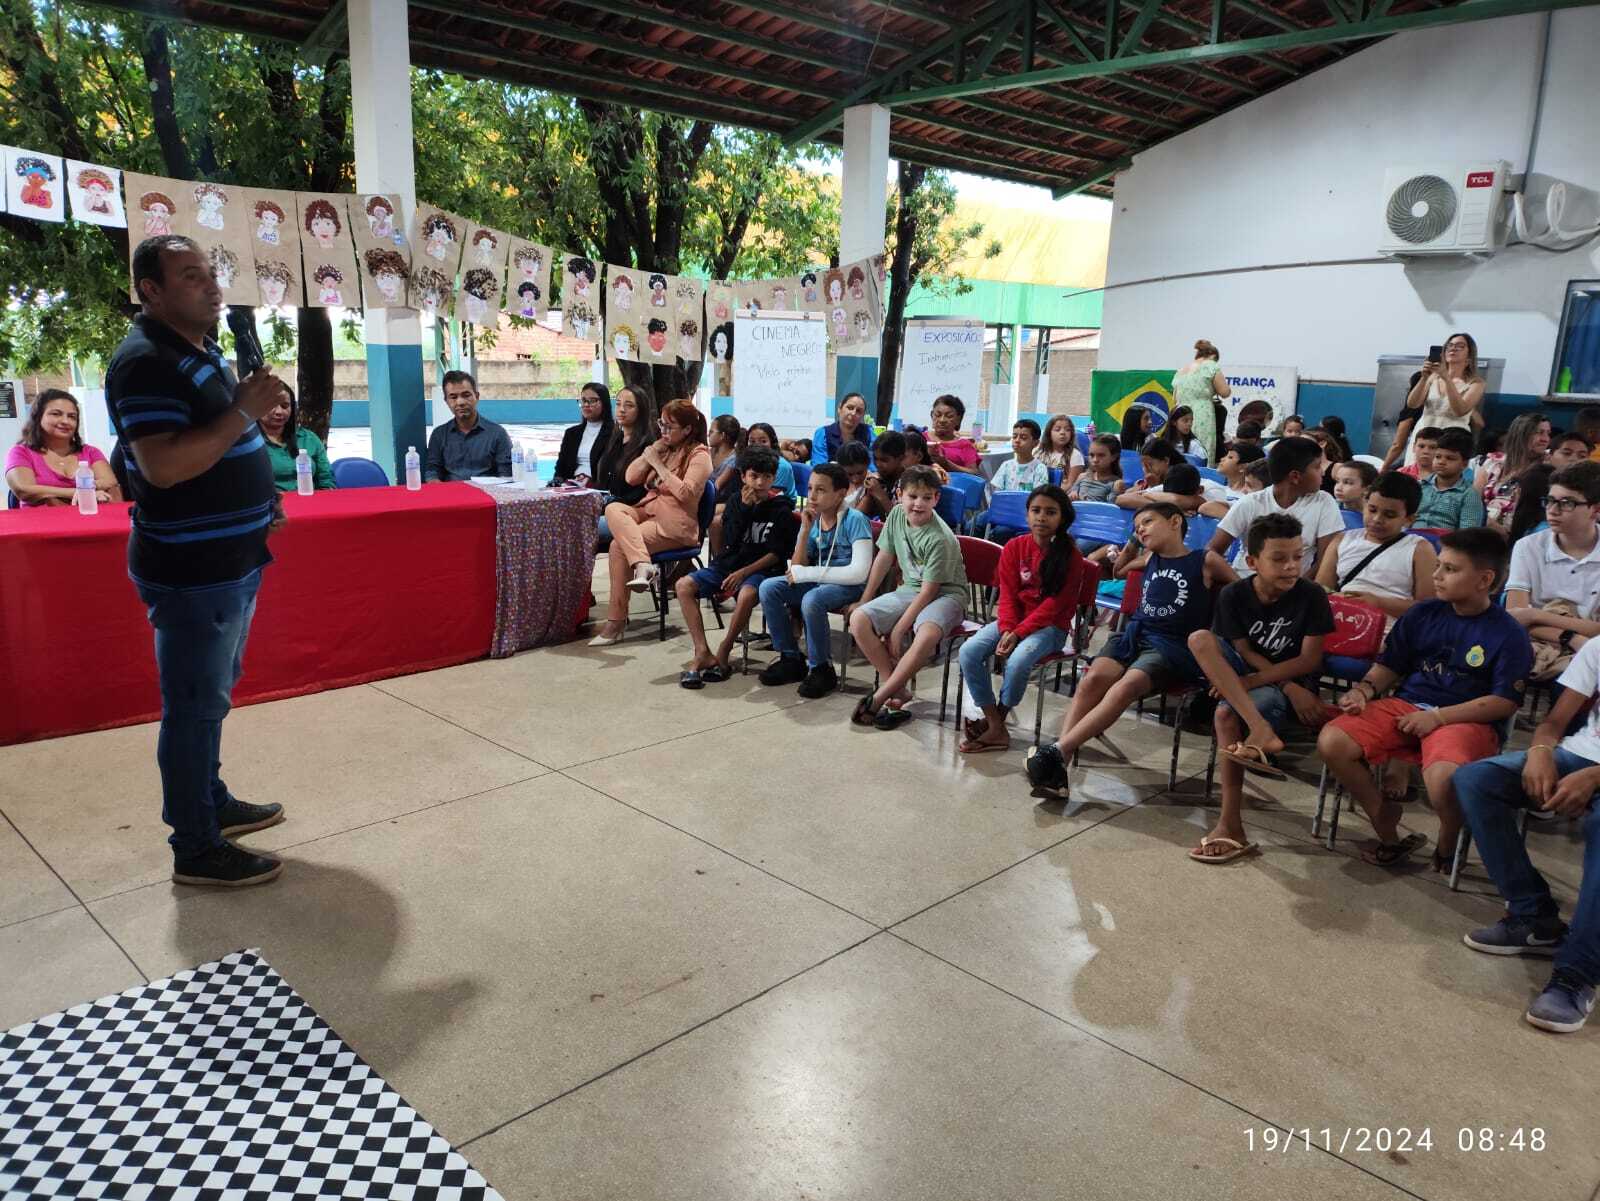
{"points": [[753, 306], [432, 289], [528, 295], [157, 208], [656, 335], [689, 341], [530, 263], [268, 217], [863, 326], [582, 318], [37, 175], [719, 308], [808, 282], [780, 296], [322, 223], [658, 291], [840, 329], [479, 286], [485, 243], [622, 342], [858, 283], [209, 201], [96, 187], [439, 236], [328, 279], [622, 293], [224, 266], [580, 275], [380, 218], [835, 286], [388, 271], [722, 343], [274, 279]]}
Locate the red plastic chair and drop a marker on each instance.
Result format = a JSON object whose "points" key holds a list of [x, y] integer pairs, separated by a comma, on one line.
{"points": [[981, 559], [1077, 648]]}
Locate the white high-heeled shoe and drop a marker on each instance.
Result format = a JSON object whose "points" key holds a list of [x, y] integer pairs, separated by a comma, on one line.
{"points": [[603, 640], [641, 581]]}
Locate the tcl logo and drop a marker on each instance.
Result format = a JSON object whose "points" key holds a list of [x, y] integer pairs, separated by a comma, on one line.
{"points": [[1480, 179]]}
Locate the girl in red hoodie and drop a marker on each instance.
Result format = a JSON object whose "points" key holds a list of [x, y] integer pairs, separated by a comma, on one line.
{"points": [[1038, 574]]}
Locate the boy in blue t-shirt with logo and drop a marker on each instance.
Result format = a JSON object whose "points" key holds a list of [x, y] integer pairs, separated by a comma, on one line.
{"points": [[1461, 664]]}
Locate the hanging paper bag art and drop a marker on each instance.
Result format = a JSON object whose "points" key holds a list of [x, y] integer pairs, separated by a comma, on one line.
{"points": [[382, 252], [720, 302], [580, 298], [332, 281], [483, 275], [272, 219], [688, 318], [155, 209], [96, 194], [528, 282], [219, 221], [34, 185], [436, 240]]}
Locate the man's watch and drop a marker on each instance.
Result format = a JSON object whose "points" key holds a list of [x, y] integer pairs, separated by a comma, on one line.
{"points": [[1565, 641]]}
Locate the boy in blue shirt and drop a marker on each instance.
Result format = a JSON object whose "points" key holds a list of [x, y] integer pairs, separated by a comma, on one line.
{"points": [[1457, 665], [832, 557]]}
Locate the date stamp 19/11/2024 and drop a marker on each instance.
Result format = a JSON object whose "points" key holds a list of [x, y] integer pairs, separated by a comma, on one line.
{"points": [[1396, 1140]]}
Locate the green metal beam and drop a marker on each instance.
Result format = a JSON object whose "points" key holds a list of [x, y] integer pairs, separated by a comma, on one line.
{"points": [[1471, 10], [999, 34], [1089, 181], [989, 133], [1141, 22], [330, 35]]}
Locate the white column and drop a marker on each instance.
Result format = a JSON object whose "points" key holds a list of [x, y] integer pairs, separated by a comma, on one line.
{"points": [[380, 96], [862, 197]]}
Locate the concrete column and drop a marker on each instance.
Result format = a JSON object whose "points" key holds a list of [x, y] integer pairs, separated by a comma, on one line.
{"points": [[861, 208], [380, 93]]}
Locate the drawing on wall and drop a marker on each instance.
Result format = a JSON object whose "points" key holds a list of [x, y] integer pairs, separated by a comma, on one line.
{"points": [[34, 185], [96, 194], [386, 277]]}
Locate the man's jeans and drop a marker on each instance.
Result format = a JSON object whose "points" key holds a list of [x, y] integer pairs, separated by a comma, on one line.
{"points": [[200, 639], [816, 601], [1490, 793]]}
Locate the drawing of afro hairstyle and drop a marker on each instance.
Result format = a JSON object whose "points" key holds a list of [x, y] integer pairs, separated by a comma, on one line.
{"points": [[93, 175], [263, 207], [656, 326], [427, 280], [150, 199], [382, 261], [808, 277], [856, 276], [528, 254], [584, 267], [689, 327], [478, 282], [323, 210], [834, 276], [380, 202], [223, 261], [277, 271], [327, 271], [28, 165], [209, 189], [485, 233], [658, 281], [528, 288], [620, 280], [438, 223]]}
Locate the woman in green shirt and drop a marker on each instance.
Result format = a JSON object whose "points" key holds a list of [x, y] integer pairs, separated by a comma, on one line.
{"points": [[286, 439], [1193, 388]]}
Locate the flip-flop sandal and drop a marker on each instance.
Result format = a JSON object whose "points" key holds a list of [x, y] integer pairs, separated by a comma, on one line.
{"points": [[975, 726], [1253, 759], [865, 714], [691, 680], [1236, 850], [716, 675], [1394, 854], [976, 746], [891, 719]]}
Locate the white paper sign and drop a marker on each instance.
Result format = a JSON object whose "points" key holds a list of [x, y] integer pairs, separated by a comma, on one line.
{"points": [[939, 356], [1278, 386], [780, 375]]}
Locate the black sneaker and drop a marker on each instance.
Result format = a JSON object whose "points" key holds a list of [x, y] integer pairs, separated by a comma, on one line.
{"points": [[819, 681], [1513, 936], [241, 817], [226, 866], [1047, 771], [785, 669]]}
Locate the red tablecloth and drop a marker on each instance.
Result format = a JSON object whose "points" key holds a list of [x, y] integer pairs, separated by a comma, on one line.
{"points": [[366, 583]]}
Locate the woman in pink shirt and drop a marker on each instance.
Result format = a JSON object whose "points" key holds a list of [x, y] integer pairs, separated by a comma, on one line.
{"points": [[41, 466], [946, 446]]}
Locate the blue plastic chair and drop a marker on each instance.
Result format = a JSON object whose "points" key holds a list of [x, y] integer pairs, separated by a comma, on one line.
{"points": [[1432, 536], [11, 501], [1197, 460], [1008, 516], [1097, 521], [1132, 467], [359, 473], [1083, 443], [802, 478], [952, 507], [1212, 474], [663, 559], [1352, 520], [1200, 531]]}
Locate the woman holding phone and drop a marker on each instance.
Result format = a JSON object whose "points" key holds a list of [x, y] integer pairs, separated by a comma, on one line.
{"points": [[1449, 390]]}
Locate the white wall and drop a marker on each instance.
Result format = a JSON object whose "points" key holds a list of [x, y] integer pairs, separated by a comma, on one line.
{"points": [[1297, 177]]}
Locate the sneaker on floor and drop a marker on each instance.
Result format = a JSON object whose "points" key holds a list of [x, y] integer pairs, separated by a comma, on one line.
{"points": [[241, 817], [819, 682], [1564, 1005], [1513, 936], [1047, 770], [226, 866], [785, 669]]}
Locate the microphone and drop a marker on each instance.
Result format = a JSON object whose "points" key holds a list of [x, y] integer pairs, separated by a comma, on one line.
{"points": [[246, 346]]}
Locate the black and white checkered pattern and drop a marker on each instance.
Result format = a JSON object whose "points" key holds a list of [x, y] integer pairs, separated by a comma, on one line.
{"points": [[219, 1084]]}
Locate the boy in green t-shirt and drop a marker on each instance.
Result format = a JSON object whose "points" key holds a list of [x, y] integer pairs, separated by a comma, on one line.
{"points": [[927, 607]]}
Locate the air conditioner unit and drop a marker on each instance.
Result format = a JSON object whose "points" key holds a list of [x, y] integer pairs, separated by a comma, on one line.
{"points": [[1443, 209]]}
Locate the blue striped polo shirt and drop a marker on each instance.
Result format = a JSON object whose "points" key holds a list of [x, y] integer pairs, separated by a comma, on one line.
{"points": [[209, 530]]}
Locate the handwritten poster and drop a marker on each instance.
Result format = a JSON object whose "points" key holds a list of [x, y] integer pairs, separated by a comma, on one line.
{"points": [[782, 372], [938, 355]]}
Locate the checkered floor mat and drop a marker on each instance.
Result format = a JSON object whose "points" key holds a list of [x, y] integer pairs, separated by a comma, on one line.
{"points": [[218, 1084]]}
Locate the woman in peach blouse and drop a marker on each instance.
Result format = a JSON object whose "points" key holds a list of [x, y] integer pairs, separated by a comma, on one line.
{"points": [[673, 469]]}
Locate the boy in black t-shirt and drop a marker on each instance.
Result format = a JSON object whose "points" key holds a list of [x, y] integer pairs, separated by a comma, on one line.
{"points": [[1266, 638]]}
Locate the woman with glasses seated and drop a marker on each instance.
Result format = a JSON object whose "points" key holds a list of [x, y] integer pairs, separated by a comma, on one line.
{"points": [[673, 471], [583, 444]]}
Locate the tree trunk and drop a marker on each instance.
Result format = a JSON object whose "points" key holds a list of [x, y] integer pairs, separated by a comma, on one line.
{"points": [[900, 279], [314, 374]]}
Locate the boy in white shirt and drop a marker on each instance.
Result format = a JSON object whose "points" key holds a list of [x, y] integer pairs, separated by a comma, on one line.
{"points": [[1296, 465], [1560, 564], [1022, 473]]}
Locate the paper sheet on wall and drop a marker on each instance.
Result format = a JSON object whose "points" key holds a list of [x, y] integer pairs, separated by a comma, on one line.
{"points": [[688, 319], [938, 355], [782, 373], [811, 289], [272, 221], [1279, 387], [383, 253], [658, 318], [327, 250], [624, 320], [719, 342], [35, 185], [720, 302], [580, 297], [749, 295], [219, 219], [483, 275], [436, 241], [154, 211], [528, 279], [95, 193]]}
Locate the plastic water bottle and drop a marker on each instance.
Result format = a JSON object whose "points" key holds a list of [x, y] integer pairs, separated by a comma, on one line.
{"points": [[531, 467], [518, 465], [83, 490], [302, 474], [413, 470]]}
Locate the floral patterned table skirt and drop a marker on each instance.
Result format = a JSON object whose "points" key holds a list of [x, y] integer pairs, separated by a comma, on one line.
{"points": [[544, 565]]}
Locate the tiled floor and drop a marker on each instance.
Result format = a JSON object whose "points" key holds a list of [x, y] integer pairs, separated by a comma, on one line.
{"points": [[622, 940]]}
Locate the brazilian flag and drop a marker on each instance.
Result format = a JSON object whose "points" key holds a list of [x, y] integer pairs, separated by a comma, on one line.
{"points": [[1113, 393]]}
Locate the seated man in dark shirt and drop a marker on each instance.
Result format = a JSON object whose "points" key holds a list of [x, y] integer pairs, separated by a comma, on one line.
{"points": [[470, 445]]}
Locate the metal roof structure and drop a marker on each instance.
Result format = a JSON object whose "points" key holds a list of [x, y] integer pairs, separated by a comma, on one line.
{"points": [[1056, 93]]}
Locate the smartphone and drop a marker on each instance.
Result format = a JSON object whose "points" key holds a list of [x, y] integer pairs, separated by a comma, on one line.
{"points": [[1435, 354]]}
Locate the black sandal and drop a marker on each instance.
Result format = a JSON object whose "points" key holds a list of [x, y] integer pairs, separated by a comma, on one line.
{"points": [[865, 714], [691, 680], [1395, 854], [716, 674], [891, 719]]}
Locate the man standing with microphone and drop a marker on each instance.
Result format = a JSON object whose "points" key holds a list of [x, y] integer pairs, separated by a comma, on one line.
{"points": [[204, 503]]}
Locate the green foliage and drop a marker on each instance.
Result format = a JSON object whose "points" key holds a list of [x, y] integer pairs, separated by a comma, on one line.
{"points": [[940, 239]]}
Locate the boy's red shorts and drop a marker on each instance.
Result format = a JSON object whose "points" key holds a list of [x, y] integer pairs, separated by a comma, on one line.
{"points": [[1376, 732]]}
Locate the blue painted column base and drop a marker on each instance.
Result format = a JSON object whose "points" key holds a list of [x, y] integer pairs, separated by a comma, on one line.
{"points": [[397, 405], [855, 373]]}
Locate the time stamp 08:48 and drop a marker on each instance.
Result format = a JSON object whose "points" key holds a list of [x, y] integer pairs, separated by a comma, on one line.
{"points": [[1402, 1139]]}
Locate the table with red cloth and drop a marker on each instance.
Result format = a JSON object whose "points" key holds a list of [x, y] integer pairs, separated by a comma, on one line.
{"points": [[544, 564], [367, 583]]}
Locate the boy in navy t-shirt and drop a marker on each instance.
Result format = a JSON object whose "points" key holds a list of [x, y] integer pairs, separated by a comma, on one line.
{"points": [[1461, 663]]}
